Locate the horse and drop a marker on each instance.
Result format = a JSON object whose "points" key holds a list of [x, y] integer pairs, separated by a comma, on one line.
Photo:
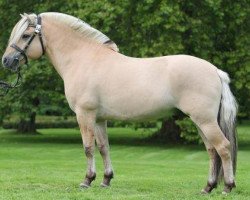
{"points": [[102, 84]]}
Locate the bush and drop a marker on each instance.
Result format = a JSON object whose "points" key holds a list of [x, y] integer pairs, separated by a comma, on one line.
{"points": [[189, 131], [41, 125], [152, 124], [70, 122]]}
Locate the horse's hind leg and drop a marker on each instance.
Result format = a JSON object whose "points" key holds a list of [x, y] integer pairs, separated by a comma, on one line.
{"points": [[217, 139], [87, 126], [214, 166], [201, 102], [103, 146]]}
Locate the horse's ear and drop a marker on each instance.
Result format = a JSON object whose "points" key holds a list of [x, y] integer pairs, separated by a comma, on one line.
{"points": [[22, 15], [27, 16]]}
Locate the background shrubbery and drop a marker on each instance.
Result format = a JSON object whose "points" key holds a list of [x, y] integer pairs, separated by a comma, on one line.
{"points": [[44, 122], [215, 30]]}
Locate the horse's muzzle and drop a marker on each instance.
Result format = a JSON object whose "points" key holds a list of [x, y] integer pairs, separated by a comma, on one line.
{"points": [[11, 62]]}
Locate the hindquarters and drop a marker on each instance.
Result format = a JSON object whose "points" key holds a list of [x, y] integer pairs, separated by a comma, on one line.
{"points": [[202, 98], [197, 89]]}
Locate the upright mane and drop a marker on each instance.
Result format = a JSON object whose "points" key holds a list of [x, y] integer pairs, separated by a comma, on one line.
{"points": [[83, 28]]}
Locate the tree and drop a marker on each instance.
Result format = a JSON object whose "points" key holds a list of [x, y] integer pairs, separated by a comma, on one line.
{"points": [[215, 30]]}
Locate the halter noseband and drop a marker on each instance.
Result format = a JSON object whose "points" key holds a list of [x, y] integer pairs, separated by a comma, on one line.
{"points": [[38, 31]]}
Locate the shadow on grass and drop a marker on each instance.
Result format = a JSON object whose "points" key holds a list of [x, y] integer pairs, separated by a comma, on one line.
{"points": [[10, 136], [123, 139]]}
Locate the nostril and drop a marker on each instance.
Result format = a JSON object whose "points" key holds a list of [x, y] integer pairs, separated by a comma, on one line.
{"points": [[5, 61]]}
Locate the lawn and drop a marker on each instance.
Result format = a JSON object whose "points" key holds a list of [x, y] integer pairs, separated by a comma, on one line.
{"points": [[51, 166]]}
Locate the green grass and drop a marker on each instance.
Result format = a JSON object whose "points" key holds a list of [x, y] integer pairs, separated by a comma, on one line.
{"points": [[51, 166]]}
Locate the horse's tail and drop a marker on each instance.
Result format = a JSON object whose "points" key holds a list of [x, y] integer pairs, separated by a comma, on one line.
{"points": [[227, 119]]}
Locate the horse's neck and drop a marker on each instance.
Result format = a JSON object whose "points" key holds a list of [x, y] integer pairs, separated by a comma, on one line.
{"points": [[66, 49]]}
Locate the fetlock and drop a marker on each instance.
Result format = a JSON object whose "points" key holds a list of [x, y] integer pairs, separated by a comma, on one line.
{"points": [[106, 179], [88, 180]]}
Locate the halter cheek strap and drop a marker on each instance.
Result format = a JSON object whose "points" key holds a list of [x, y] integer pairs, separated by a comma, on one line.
{"points": [[38, 30]]}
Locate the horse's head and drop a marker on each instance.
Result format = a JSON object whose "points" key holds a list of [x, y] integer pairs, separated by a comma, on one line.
{"points": [[25, 42]]}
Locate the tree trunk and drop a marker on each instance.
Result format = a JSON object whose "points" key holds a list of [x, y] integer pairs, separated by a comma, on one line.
{"points": [[169, 131], [28, 126]]}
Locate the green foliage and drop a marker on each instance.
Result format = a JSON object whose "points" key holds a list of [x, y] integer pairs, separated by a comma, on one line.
{"points": [[42, 125], [43, 122], [188, 131], [215, 30], [150, 124], [221, 36]]}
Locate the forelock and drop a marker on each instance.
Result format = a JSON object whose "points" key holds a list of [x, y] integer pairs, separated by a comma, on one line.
{"points": [[19, 28]]}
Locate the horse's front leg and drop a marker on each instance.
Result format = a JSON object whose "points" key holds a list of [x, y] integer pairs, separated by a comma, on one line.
{"points": [[86, 123], [103, 146]]}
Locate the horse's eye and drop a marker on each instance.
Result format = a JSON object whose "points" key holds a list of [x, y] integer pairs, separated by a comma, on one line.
{"points": [[25, 36]]}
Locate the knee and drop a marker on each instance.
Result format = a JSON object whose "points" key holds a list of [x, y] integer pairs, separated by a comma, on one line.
{"points": [[89, 151]]}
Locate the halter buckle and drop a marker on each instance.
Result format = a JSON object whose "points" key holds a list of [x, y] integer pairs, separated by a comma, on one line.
{"points": [[38, 28]]}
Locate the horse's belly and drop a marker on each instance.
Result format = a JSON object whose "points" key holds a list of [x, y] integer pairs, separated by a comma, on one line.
{"points": [[137, 108], [138, 115]]}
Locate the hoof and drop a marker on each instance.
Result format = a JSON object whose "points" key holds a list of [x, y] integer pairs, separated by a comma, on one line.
{"points": [[87, 182], [84, 185], [203, 191], [104, 185], [228, 188], [106, 179], [209, 187]]}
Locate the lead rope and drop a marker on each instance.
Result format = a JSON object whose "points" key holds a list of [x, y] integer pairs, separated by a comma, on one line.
{"points": [[7, 86]]}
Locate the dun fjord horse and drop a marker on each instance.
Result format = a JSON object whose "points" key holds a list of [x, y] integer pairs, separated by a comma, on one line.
{"points": [[102, 84]]}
